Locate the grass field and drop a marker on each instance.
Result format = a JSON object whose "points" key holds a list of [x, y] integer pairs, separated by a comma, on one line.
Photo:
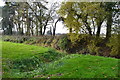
{"points": [[83, 66], [25, 61], [23, 58]]}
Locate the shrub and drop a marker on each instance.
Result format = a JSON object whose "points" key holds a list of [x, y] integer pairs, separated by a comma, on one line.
{"points": [[30, 41], [78, 38], [51, 55], [49, 41], [114, 44], [93, 49], [54, 43], [79, 42], [16, 39], [63, 43]]}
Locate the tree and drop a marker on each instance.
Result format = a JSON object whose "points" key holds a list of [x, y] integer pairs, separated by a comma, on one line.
{"points": [[19, 17], [116, 23], [39, 11], [53, 17], [7, 22], [81, 15], [109, 7], [30, 18], [25, 17], [49, 32], [54, 27]]}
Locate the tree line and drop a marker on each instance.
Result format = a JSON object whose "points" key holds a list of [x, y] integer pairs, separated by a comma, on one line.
{"points": [[79, 17], [29, 18], [90, 17]]}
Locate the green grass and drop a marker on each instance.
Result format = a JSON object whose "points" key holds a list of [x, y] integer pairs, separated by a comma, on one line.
{"points": [[83, 66], [23, 58], [21, 61], [20, 51]]}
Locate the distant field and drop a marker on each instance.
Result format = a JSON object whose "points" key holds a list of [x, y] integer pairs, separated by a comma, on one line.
{"points": [[25, 61]]}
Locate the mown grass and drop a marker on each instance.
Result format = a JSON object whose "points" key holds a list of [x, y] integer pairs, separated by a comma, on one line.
{"points": [[25, 61]]}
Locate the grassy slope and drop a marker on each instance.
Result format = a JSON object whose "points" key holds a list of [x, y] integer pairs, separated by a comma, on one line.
{"points": [[70, 66], [83, 66], [20, 51], [23, 58]]}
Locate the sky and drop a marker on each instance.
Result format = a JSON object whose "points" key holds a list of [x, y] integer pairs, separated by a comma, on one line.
{"points": [[1, 3]]}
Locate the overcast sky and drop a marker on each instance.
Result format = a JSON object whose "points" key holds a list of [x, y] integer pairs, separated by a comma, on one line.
{"points": [[1, 3]]}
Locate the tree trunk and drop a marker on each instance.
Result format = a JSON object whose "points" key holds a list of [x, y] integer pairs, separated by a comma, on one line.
{"points": [[9, 31], [98, 29], [32, 28], [89, 30], [54, 29], [50, 31], [36, 33], [40, 30], [109, 24], [10, 28], [87, 25], [28, 27], [22, 33], [45, 26], [70, 30], [93, 27], [36, 30], [19, 30]]}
